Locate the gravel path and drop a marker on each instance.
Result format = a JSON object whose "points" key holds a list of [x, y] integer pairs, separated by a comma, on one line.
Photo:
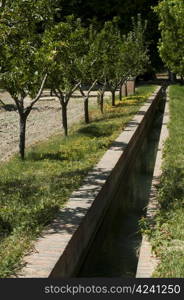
{"points": [[43, 121]]}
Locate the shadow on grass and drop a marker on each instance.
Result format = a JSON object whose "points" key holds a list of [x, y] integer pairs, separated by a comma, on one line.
{"points": [[93, 130], [36, 156], [5, 228], [64, 179], [24, 187], [16, 196]]}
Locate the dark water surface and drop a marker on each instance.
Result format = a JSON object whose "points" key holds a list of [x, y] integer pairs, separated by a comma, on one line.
{"points": [[114, 251]]}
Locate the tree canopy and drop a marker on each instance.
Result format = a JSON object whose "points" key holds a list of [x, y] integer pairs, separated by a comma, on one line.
{"points": [[171, 46], [20, 43]]}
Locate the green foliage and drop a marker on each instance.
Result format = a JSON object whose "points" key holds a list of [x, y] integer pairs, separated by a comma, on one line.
{"points": [[171, 46], [120, 57], [32, 191], [20, 40], [105, 50], [63, 49], [111, 40], [135, 58], [89, 67]]}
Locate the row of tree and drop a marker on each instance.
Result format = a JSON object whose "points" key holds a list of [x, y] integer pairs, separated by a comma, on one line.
{"points": [[36, 51]]}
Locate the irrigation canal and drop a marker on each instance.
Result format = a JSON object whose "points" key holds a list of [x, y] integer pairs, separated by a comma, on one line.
{"points": [[114, 251]]}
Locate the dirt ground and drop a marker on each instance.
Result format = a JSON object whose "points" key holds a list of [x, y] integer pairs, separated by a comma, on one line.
{"points": [[44, 120]]}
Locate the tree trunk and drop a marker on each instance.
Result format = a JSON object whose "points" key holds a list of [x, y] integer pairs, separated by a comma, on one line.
{"points": [[172, 77], [22, 136], [86, 110], [102, 101], [113, 97], [120, 92], [126, 91], [64, 118]]}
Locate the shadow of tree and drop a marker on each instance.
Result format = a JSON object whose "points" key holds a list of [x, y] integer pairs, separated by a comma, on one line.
{"points": [[9, 107], [36, 156], [94, 130], [22, 210], [5, 228], [12, 107], [25, 188]]}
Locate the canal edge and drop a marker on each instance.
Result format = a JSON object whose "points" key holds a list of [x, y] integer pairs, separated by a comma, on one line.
{"points": [[148, 261]]}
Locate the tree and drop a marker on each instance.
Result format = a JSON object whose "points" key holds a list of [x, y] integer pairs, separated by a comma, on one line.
{"points": [[134, 56], [20, 69], [106, 50], [89, 69], [98, 70], [112, 57], [171, 45], [63, 50]]}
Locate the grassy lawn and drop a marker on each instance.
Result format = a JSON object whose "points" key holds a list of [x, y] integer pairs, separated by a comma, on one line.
{"points": [[32, 191], [167, 236]]}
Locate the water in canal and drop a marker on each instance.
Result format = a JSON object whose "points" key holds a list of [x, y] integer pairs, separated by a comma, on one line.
{"points": [[115, 249]]}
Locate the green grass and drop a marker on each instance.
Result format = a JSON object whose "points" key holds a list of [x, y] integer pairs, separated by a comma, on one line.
{"points": [[32, 192], [167, 236]]}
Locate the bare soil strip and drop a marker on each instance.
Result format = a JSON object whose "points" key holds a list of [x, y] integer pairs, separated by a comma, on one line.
{"points": [[43, 121]]}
